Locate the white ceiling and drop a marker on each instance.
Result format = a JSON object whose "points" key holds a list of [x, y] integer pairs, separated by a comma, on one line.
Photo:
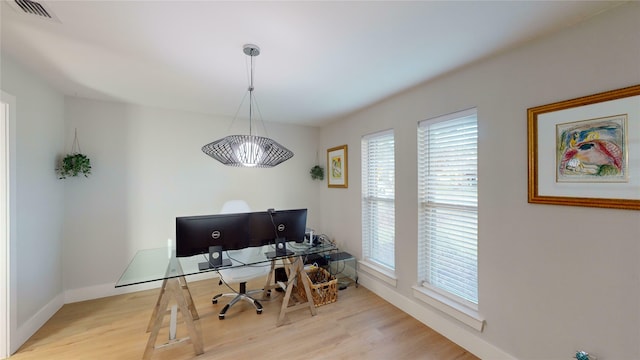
{"points": [[319, 60]]}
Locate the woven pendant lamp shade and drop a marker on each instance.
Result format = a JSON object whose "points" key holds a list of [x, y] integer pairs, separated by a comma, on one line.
{"points": [[248, 150]]}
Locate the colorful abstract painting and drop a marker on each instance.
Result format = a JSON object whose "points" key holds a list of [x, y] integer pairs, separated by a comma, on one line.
{"points": [[592, 150], [336, 167]]}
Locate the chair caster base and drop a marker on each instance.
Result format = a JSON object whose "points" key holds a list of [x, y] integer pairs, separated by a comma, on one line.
{"points": [[214, 300]]}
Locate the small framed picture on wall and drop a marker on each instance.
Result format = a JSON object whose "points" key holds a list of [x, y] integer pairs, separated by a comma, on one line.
{"points": [[337, 166]]}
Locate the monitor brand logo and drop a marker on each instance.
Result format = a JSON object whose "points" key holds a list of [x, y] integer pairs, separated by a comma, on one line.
{"points": [[280, 227], [215, 234]]}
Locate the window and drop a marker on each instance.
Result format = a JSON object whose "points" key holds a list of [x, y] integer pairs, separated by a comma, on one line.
{"points": [[378, 198], [448, 206]]}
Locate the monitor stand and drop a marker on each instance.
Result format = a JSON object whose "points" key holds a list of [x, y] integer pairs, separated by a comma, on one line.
{"points": [[207, 265], [215, 259], [281, 249]]}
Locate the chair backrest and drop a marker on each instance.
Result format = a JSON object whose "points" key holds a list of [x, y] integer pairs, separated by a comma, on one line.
{"points": [[244, 255], [234, 207]]}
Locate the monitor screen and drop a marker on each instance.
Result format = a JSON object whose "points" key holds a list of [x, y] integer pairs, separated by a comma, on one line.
{"points": [[194, 234], [266, 226]]}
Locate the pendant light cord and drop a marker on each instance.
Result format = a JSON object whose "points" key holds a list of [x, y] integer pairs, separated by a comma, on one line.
{"points": [[251, 95], [252, 99]]}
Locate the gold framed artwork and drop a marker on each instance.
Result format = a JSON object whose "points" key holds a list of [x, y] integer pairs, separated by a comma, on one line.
{"points": [[337, 164], [586, 151]]}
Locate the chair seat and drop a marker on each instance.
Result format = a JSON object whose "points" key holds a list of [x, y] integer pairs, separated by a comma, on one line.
{"points": [[244, 273]]}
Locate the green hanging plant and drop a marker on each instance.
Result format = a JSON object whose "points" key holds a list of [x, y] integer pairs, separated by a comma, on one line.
{"points": [[317, 173], [74, 163]]}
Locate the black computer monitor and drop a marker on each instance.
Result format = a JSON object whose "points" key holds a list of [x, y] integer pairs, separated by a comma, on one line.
{"points": [[291, 224], [273, 226], [212, 234]]}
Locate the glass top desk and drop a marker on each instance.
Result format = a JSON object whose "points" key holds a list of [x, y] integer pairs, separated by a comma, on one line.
{"points": [[162, 264]]}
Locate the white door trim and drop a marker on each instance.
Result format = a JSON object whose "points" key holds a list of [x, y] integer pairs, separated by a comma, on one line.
{"points": [[8, 310], [4, 236]]}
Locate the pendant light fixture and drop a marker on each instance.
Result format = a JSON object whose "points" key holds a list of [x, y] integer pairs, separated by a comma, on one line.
{"points": [[248, 150]]}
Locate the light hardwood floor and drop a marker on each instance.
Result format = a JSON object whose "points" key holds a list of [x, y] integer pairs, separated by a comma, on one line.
{"points": [[360, 325]]}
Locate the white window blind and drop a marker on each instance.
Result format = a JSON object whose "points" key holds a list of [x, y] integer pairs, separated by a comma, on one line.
{"points": [[378, 198], [448, 205]]}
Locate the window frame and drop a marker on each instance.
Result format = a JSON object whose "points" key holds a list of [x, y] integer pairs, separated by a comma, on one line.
{"points": [[371, 264], [462, 309]]}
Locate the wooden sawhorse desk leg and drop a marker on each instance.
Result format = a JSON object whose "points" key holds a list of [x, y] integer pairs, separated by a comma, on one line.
{"points": [[271, 278], [177, 289], [295, 269], [183, 284]]}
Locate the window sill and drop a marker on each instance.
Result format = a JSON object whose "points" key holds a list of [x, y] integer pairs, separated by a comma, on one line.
{"points": [[378, 272], [456, 310]]}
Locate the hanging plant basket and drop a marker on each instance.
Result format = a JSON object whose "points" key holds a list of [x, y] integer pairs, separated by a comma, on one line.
{"points": [[75, 163], [317, 173]]}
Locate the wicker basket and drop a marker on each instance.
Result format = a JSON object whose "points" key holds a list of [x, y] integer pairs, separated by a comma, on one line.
{"points": [[323, 286]]}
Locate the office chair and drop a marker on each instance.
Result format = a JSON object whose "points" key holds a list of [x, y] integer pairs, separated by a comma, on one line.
{"points": [[241, 275]]}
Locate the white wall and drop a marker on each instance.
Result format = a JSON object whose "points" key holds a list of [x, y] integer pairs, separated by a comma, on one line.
{"points": [[553, 279], [38, 195], [147, 169]]}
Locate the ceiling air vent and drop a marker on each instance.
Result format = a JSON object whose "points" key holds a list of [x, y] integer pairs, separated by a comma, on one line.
{"points": [[29, 7]]}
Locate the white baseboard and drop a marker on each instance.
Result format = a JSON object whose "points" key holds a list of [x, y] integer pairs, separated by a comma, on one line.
{"points": [[34, 323], [105, 290], [468, 339]]}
